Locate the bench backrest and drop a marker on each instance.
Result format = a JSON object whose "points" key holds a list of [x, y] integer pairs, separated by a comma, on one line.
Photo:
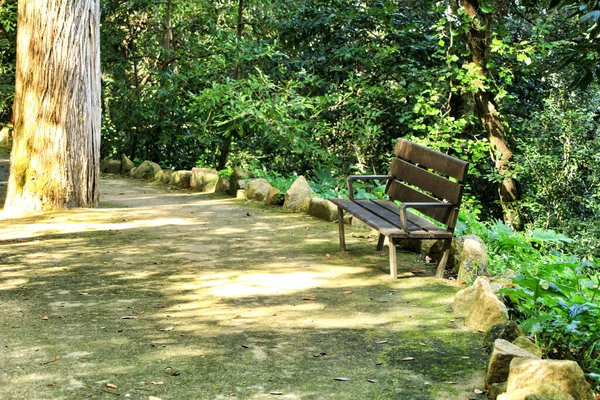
{"points": [[429, 171]]}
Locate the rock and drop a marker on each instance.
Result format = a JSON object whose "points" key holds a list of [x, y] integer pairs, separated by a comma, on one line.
{"points": [[110, 167], [566, 375], [238, 180], [323, 209], [258, 189], [274, 197], [495, 389], [240, 194], [454, 258], [204, 179], [164, 176], [487, 309], [431, 248], [508, 331], [473, 259], [463, 300], [357, 223], [126, 165], [526, 344], [502, 355], [148, 171], [541, 391], [133, 171], [181, 179], [222, 185], [297, 198]]}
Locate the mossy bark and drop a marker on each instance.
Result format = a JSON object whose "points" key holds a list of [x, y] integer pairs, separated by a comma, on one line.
{"points": [[56, 140]]}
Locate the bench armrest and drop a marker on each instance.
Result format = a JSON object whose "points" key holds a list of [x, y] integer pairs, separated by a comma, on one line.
{"points": [[353, 178], [415, 205]]}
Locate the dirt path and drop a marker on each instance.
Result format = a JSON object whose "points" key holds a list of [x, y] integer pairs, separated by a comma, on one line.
{"points": [[183, 295]]}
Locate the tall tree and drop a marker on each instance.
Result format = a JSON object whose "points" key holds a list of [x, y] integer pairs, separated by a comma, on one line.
{"points": [[55, 154], [478, 41]]}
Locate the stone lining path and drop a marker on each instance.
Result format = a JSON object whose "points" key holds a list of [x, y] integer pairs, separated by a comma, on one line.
{"points": [[181, 295]]}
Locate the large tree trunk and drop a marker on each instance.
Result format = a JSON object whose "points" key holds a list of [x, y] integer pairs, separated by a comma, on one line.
{"points": [[55, 154], [478, 37]]}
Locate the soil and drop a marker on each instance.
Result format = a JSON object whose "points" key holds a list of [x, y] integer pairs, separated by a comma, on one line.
{"points": [[181, 295]]}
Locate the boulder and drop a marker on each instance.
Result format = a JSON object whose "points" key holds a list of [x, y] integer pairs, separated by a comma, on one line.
{"points": [[526, 344], [222, 185], [508, 331], [541, 391], [297, 198], [164, 176], [323, 209], [565, 374], [181, 179], [487, 309], [473, 259], [147, 170], [258, 189], [126, 165], [110, 167], [463, 300], [502, 355], [239, 180], [204, 179], [274, 197]]}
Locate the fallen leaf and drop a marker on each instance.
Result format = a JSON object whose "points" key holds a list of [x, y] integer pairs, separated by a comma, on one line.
{"points": [[418, 271], [153, 398], [245, 346], [111, 386], [276, 393], [157, 383], [348, 292], [62, 316], [450, 383], [45, 318], [170, 315], [392, 290], [408, 358], [478, 391], [371, 381], [128, 317], [428, 259], [167, 329], [52, 384], [159, 306], [381, 342], [342, 379], [328, 256], [83, 294], [183, 334], [422, 344], [309, 298]]}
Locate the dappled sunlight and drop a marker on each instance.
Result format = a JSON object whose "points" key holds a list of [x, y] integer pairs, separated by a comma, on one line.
{"points": [[217, 289]]}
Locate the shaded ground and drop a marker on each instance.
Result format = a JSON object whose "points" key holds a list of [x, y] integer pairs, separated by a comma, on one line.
{"points": [[222, 299]]}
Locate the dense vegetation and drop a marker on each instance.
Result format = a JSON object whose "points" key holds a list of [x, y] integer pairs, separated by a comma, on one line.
{"points": [[322, 88]]}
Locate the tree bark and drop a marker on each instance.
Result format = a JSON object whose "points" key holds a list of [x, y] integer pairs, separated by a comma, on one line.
{"points": [[56, 146], [478, 37], [225, 147]]}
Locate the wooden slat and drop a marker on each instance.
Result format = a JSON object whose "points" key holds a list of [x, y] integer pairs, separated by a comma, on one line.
{"points": [[401, 192], [390, 216], [429, 158], [411, 218], [369, 218], [430, 182]]}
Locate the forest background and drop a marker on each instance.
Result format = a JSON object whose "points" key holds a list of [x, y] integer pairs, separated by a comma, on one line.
{"points": [[322, 88]]}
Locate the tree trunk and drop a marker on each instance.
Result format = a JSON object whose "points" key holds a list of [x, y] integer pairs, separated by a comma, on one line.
{"points": [[55, 154], [478, 38], [225, 147]]}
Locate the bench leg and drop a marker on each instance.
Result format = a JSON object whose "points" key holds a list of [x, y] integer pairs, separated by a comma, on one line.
{"points": [[341, 228], [445, 254], [393, 264], [380, 242]]}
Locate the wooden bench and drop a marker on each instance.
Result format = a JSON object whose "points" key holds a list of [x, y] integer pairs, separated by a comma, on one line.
{"points": [[421, 179]]}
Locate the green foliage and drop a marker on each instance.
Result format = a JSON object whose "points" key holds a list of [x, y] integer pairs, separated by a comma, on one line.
{"points": [[8, 25]]}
